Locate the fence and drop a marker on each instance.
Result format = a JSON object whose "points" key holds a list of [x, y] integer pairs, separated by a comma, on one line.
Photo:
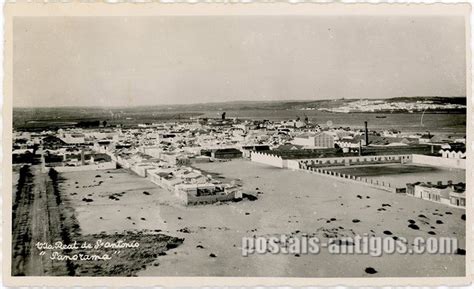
{"points": [[99, 166], [386, 186], [351, 161]]}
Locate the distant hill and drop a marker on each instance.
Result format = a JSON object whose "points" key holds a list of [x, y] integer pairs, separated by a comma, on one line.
{"points": [[41, 118]]}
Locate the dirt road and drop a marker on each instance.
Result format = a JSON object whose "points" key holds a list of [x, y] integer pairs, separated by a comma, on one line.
{"points": [[21, 222], [36, 218]]}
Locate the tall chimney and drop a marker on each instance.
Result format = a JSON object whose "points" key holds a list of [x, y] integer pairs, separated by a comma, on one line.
{"points": [[366, 134], [83, 161]]}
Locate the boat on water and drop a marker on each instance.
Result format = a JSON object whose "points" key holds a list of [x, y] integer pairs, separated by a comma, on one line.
{"points": [[380, 116]]}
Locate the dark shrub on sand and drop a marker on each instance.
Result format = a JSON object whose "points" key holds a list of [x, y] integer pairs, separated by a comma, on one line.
{"points": [[370, 270], [249, 197], [413, 226]]}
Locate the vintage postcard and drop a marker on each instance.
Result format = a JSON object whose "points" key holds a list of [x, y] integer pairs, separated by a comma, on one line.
{"points": [[238, 144]]}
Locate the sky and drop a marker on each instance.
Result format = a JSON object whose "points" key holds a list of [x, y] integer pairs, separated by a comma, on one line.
{"points": [[136, 61]]}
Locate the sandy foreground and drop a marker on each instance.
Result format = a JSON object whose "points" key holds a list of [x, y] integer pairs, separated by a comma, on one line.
{"points": [[291, 203]]}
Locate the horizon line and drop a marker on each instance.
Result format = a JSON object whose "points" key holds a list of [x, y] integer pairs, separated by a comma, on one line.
{"points": [[220, 102]]}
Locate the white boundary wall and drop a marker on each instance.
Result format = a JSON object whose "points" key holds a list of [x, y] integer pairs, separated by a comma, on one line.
{"points": [[268, 159], [439, 162], [293, 164]]}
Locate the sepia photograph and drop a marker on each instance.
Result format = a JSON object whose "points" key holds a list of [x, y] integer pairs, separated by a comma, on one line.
{"points": [[300, 144]]}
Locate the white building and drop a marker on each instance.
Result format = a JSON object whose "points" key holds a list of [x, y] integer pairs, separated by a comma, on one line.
{"points": [[317, 140]]}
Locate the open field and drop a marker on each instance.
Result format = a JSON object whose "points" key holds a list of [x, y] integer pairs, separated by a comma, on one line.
{"points": [[292, 203], [295, 201], [115, 200], [400, 174]]}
